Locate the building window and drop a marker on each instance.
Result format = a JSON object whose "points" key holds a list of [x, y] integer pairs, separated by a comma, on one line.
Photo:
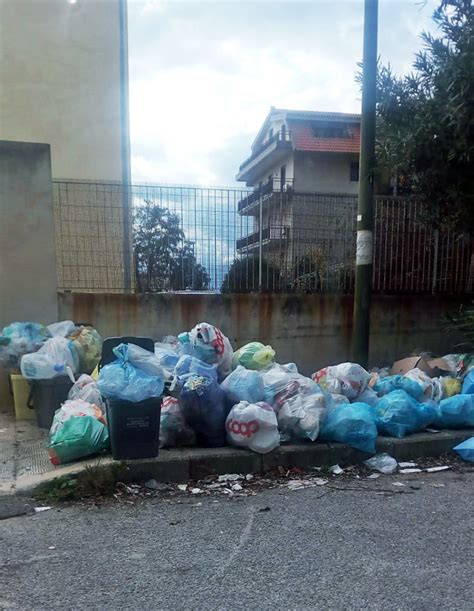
{"points": [[354, 171], [325, 130]]}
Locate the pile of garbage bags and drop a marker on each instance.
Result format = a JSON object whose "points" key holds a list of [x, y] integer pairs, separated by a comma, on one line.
{"points": [[213, 396], [45, 352]]}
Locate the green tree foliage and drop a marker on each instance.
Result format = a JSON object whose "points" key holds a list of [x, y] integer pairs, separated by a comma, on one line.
{"points": [[163, 258], [425, 129], [243, 273]]}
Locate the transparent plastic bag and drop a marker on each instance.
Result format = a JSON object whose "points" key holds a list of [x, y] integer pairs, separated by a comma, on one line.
{"points": [[122, 380], [202, 401], [349, 379], [254, 355], [62, 329], [56, 357], [388, 384], [88, 344], [301, 416], [280, 384], [384, 463], [167, 355], [143, 359], [243, 385], [398, 414], [20, 338], [354, 424], [210, 345], [455, 413], [253, 426], [191, 365], [86, 389], [174, 431], [339, 399], [432, 388]]}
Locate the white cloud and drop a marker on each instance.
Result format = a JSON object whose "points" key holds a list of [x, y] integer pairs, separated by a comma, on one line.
{"points": [[203, 75]]}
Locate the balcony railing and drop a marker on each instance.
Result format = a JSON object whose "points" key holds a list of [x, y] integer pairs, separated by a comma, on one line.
{"points": [[281, 136], [268, 234], [271, 186]]}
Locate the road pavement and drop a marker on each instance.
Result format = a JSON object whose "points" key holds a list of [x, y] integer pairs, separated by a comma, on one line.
{"points": [[316, 548]]}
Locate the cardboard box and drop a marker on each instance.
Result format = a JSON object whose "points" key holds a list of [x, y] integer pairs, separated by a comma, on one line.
{"points": [[432, 367]]}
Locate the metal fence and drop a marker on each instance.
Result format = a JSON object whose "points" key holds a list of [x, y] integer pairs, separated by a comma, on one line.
{"points": [[146, 238]]}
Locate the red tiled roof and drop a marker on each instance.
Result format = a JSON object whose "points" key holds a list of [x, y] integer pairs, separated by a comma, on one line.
{"points": [[317, 114], [304, 139]]}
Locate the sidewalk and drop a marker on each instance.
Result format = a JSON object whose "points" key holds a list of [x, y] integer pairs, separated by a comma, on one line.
{"points": [[24, 462]]}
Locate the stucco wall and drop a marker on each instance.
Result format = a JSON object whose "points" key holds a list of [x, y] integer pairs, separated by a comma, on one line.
{"points": [[312, 330], [60, 83], [324, 173]]}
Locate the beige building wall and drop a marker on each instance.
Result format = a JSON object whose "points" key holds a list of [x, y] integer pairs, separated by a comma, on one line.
{"points": [[60, 78], [324, 173]]}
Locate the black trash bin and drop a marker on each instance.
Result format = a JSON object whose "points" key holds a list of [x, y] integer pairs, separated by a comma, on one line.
{"points": [[134, 428], [47, 396]]}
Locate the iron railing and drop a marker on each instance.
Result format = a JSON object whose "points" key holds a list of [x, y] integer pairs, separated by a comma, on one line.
{"points": [[193, 238], [283, 135]]}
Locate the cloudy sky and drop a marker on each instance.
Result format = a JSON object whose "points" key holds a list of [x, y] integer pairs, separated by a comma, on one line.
{"points": [[203, 74]]}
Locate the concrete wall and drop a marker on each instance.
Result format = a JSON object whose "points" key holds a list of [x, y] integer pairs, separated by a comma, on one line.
{"points": [[312, 330], [324, 173], [60, 84]]}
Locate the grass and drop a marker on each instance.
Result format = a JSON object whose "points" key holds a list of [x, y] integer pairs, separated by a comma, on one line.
{"points": [[95, 481]]}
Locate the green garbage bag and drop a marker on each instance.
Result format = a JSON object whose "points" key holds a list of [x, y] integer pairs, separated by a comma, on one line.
{"points": [[254, 356], [78, 430]]}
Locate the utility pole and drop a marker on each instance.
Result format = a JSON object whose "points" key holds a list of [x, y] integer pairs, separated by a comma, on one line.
{"points": [[365, 211]]}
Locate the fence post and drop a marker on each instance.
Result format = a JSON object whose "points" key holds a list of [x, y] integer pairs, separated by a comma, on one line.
{"points": [[260, 246], [435, 261]]}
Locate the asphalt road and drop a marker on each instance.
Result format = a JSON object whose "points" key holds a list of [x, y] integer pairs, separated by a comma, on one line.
{"points": [[315, 548]]}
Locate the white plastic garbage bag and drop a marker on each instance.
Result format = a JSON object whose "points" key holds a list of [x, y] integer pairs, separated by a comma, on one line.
{"points": [[280, 384], [86, 389], [253, 426], [56, 357], [349, 379], [210, 345], [61, 329], [300, 416]]}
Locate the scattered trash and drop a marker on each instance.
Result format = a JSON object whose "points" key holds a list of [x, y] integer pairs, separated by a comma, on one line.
{"points": [[196, 491], [438, 485], [152, 484], [51, 547], [236, 488], [198, 505], [319, 481], [182, 487], [229, 477], [407, 465], [408, 471], [466, 449], [176, 522], [41, 509], [382, 462], [298, 484], [262, 509], [336, 470], [398, 484], [437, 469], [373, 476], [249, 477]]}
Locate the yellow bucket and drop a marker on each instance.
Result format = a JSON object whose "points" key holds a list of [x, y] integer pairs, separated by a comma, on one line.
{"points": [[21, 392]]}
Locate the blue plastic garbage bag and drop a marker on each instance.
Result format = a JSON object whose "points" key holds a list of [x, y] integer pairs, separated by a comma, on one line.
{"points": [[165, 354], [466, 449], [122, 380], [456, 412], [468, 384], [21, 338], [243, 385], [390, 383], [191, 365], [354, 424], [202, 401], [398, 414]]}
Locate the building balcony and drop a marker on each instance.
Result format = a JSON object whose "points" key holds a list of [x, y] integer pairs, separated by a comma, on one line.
{"points": [[266, 156], [249, 205], [271, 237]]}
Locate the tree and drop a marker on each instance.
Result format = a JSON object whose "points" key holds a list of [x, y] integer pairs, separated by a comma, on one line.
{"points": [[163, 258], [243, 276], [188, 273], [425, 120]]}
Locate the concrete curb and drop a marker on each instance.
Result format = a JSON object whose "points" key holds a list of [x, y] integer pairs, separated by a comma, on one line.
{"points": [[197, 463]]}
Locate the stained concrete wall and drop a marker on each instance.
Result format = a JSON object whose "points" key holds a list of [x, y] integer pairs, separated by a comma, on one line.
{"points": [[312, 330], [324, 173], [61, 83]]}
